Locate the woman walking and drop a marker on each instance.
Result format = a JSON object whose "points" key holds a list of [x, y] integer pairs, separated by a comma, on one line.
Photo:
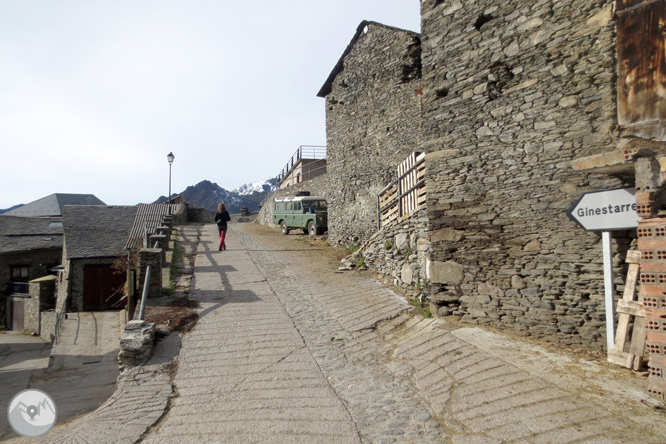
{"points": [[221, 218]]}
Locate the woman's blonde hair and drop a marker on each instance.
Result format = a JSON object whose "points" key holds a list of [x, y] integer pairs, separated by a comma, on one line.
{"points": [[221, 208]]}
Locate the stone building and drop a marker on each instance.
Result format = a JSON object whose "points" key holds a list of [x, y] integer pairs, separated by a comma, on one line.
{"points": [[307, 163], [513, 93], [503, 97], [29, 249], [373, 108], [94, 236]]}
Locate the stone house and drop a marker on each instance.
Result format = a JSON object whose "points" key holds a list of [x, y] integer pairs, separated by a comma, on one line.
{"points": [[514, 93], [29, 249], [95, 236], [373, 108], [502, 97]]}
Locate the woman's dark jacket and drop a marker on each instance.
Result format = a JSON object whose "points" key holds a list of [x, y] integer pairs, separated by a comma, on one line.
{"points": [[222, 219]]}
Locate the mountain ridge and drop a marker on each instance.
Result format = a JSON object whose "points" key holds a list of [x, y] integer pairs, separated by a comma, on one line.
{"points": [[208, 195]]}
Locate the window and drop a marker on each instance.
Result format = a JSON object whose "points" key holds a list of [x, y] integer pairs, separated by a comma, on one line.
{"points": [[19, 273]]}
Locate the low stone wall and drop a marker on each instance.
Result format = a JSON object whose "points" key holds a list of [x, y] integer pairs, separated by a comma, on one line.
{"points": [[154, 258], [400, 250], [201, 215], [181, 215], [136, 344], [47, 323]]}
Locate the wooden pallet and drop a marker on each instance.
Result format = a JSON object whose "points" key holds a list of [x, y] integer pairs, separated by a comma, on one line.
{"points": [[628, 307]]}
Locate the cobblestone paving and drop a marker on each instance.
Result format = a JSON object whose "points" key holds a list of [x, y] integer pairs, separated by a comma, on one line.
{"points": [[245, 374], [333, 327], [409, 379]]}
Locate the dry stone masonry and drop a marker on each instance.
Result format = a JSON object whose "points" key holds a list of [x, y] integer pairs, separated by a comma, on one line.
{"points": [[373, 105], [503, 97], [513, 92]]}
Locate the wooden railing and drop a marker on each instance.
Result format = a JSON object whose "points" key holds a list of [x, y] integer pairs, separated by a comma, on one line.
{"points": [[406, 194]]}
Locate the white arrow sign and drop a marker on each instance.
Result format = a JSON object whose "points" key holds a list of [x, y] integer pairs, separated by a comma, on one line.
{"points": [[606, 210]]}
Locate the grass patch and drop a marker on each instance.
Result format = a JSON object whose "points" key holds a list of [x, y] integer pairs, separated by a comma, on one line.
{"points": [[174, 270], [360, 262], [352, 248]]}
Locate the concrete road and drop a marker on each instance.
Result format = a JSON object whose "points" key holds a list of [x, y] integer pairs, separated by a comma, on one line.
{"points": [[79, 373], [20, 356]]}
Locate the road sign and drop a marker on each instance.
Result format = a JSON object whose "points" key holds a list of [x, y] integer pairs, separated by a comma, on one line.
{"points": [[606, 210]]}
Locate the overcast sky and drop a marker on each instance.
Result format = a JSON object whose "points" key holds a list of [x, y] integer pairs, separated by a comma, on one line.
{"points": [[95, 94]]}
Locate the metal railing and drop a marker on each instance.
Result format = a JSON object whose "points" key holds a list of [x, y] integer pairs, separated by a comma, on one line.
{"points": [[405, 194], [311, 152], [144, 294], [308, 171]]}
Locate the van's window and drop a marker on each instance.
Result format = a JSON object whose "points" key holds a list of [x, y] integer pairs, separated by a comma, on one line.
{"points": [[319, 205], [289, 206], [297, 206]]}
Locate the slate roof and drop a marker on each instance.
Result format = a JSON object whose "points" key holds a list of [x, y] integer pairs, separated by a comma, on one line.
{"points": [[53, 205], [93, 231], [19, 234], [148, 217]]}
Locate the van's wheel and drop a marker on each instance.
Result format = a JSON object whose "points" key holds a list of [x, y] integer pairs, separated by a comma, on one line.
{"points": [[284, 229], [312, 228]]}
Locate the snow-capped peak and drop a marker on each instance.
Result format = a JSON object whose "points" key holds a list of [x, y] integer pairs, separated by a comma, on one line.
{"points": [[256, 187]]}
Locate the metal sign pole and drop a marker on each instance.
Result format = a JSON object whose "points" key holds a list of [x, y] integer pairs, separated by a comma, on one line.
{"points": [[608, 289]]}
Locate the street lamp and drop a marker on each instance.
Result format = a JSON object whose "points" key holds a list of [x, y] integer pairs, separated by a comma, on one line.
{"points": [[170, 158]]}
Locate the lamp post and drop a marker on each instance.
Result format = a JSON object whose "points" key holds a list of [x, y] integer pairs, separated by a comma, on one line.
{"points": [[170, 158]]}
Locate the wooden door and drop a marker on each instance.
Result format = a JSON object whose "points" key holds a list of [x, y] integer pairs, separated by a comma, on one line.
{"points": [[102, 287], [18, 315]]}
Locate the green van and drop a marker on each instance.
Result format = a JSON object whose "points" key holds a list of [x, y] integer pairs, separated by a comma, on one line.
{"points": [[306, 212]]}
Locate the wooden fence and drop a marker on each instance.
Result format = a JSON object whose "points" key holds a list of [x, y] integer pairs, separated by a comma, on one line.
{"points": [[406, 194]]}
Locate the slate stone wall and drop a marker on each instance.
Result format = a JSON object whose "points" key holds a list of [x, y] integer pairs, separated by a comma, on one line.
{"points": [[37, 260], [400, 250], [514, 92], [372, 124], [154, 258]]}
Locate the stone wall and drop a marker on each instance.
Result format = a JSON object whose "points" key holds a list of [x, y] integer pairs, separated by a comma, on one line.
{"points": [[47, 322], [400, 250], [38, 261], [152, 257], [200, 215], [181, 216], [373, 110], [514, 92], [42, 297]]}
